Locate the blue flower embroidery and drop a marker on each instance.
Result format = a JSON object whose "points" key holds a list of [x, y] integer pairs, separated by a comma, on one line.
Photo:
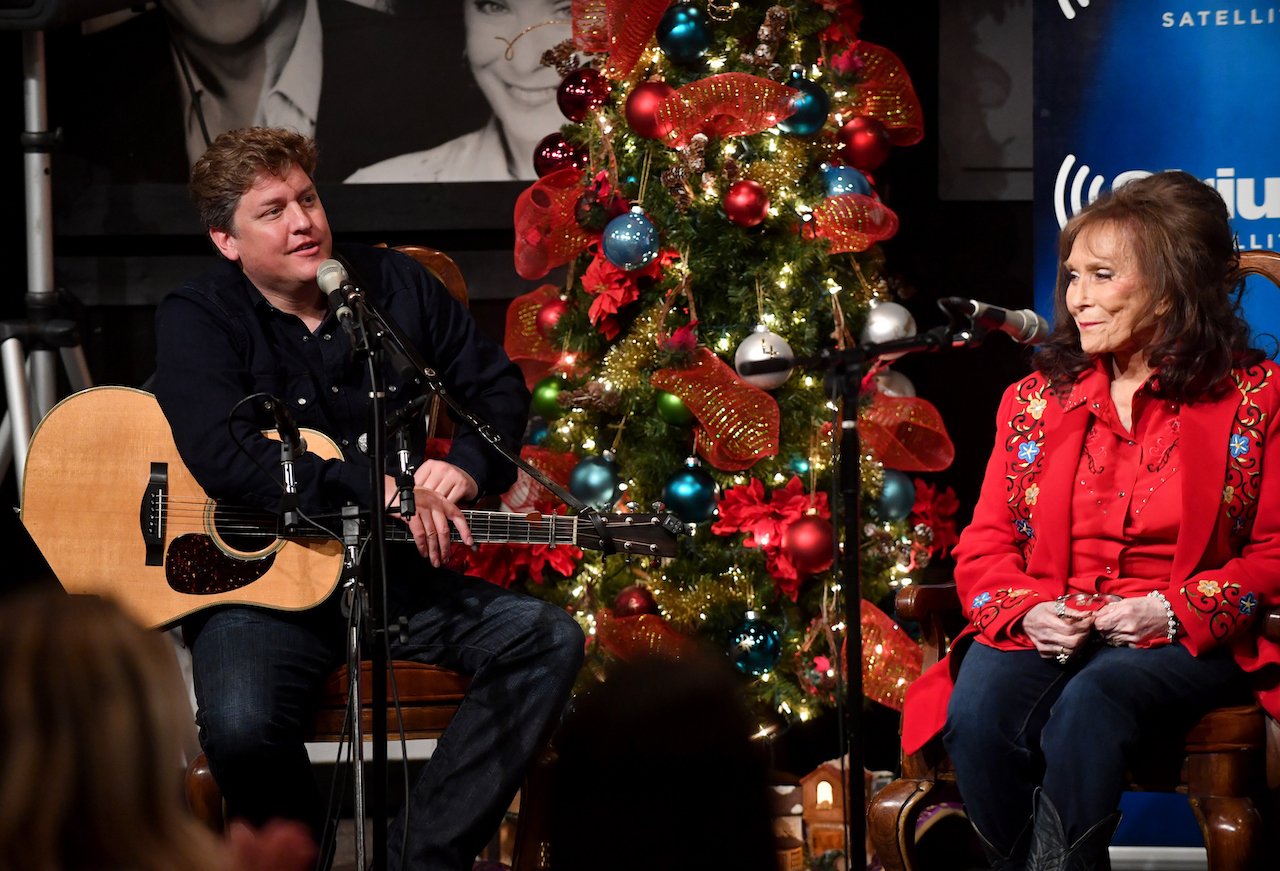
{"points": [[1247, 603], [1238, 445], [981, 599], [1028, 451], [1024, 528]]}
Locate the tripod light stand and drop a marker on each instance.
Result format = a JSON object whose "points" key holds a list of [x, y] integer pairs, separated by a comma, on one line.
{"points": [[31, 380]]}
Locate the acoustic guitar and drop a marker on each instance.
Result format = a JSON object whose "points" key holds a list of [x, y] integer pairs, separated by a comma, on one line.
{"points": [[115, 512]]}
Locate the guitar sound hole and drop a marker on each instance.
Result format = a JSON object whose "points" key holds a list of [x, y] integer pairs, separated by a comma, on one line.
{"points": [[244, 530]]}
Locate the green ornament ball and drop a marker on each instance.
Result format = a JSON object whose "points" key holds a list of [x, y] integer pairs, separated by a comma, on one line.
{"points": [[672, 409], [545, 394]]}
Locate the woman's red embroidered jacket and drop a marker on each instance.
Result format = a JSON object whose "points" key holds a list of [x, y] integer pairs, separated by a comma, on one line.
{"points": [[1017, 551]]}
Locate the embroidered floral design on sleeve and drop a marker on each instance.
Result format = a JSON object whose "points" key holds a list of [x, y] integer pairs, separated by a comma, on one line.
{"points": [[987, 605], [1220, 604], [1244, 447], [1024, 458]]}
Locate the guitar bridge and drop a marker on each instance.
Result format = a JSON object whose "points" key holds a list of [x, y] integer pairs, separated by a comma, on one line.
{"points": [[151, 517]]}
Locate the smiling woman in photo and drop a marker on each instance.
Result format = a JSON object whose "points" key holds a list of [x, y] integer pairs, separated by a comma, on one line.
{"points": [[505, 40]]}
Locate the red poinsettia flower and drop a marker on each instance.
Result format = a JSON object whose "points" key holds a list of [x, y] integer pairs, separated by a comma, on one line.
{"points": [[744, 509], [937, 510]]}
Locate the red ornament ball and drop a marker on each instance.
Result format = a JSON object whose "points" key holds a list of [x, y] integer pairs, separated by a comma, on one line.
{"points": [[808, 542], [554, 152], [581, 91], [865, 142], [746, 203], [549, 315], [633, 600], [642, 109]]}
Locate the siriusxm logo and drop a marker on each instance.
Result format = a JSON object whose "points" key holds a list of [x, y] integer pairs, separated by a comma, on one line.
{"points": [[1069, 10], [1248, 199]]}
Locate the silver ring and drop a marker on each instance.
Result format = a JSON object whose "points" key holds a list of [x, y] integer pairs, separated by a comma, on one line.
{"points": [[1061, 609], [1063, 656]]}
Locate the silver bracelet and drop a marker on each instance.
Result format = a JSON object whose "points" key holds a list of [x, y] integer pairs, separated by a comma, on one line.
{"points": [[1172, 631]]}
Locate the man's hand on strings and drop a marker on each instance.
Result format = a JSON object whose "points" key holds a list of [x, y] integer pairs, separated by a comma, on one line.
{"points": [[430, 524]]}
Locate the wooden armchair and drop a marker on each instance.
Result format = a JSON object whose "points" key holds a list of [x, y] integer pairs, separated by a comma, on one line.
{"points": [[429, 696], [1228, 763]]}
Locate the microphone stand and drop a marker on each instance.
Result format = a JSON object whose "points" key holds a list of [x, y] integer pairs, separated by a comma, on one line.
{"points": [[372, 607], [844, 371]]}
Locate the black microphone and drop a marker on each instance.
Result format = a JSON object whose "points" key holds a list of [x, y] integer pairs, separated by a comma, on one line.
{"points": [[291, 444], [336, 284], [1023, 324], [290, 435]]}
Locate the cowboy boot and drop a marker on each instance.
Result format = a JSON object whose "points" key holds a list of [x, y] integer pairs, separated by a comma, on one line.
{"points": [[1050, 850], [1016, 858]]}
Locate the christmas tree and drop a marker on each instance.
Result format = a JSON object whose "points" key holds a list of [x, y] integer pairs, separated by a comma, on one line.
{"points": [[713, 203]]}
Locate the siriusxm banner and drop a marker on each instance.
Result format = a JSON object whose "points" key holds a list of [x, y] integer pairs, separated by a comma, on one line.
{"points": [[1128, 87]]}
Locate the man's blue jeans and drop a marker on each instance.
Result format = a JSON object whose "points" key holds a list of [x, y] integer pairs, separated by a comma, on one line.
{"points": [[258, 676], [1017, 721]]}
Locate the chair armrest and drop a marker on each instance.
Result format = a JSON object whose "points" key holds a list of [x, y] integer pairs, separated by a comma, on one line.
{"points": [[1271, 624], [937, 609], [921, 601]]}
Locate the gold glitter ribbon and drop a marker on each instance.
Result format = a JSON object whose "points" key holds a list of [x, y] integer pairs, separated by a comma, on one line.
{"points": [[891, 659], [737, 423], [853, 222], [906, 433], [619, 28], [527, 347], [730, 104], [885, 93], [640, 635], [547, 234]]}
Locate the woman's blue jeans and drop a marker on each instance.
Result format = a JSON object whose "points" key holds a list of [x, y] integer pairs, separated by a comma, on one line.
{"points": [[258, 676], [1017, 721]]}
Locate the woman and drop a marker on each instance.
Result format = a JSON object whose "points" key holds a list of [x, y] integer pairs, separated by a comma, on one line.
{"points": [[94, 720], [1126, 536], [505, 43]]}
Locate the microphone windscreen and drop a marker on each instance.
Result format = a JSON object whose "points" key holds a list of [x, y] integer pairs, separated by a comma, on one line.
{"points": [[331, 275]]}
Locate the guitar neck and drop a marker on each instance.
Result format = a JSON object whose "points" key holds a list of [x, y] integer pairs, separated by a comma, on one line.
{"points": [[502, 527]]}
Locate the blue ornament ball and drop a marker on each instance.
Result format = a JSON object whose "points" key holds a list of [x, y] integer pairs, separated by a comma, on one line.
{"points": [[811, 107], [537, 431], [845, 180], [684, 34], [630, 240], [595, 481], [897, 497], [691, 494], [755, 646]]}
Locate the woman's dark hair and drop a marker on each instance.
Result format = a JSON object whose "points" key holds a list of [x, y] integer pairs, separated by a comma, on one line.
{"points": [[1177, 230]]}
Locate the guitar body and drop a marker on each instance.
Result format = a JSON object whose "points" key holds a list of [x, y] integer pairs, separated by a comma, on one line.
{"points": [[115, 512]]}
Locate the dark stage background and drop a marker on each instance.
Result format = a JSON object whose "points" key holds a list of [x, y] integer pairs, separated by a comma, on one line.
{"points": [[119, 248]]}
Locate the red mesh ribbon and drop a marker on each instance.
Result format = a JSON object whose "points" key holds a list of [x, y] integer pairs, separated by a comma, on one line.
{"points": [[885, 93], [527, 347], [640, 635], [891, 659], [730, 104], [853, 222], [737, 423], [620, 28], [547, 234], [590, 25], [907, 433]]}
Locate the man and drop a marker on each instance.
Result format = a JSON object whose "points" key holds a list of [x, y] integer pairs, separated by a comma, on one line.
{"points": [[259, 323]]}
